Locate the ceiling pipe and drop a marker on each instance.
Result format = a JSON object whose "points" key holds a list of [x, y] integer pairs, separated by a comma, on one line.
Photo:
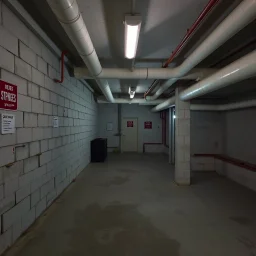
{"points": [[224, 107], [187, 36], [68, 14], [238, 19], [144, 73], [205, 107], [131, 101], [238, 70], [164, 105]]}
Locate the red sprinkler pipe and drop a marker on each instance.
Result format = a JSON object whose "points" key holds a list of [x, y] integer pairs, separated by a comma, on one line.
{"points": [[190, 31], [62, 68]]}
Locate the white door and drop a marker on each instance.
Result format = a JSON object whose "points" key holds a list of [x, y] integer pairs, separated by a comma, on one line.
{"points": [[129, 135]]}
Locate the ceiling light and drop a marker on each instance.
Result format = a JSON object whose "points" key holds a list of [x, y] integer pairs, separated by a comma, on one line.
{"points": [[131, 91], [132, 31]]}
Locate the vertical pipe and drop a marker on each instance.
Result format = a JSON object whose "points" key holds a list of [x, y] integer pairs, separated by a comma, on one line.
{"points": [[172, 137]]}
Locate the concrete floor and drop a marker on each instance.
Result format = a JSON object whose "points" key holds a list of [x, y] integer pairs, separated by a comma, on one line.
{"points": [[130, 206]]}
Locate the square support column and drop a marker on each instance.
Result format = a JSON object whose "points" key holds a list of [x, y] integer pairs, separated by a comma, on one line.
{"points": [[182, 139]]}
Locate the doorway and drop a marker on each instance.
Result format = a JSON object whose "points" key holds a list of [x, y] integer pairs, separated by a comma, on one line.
{"points": [[129, 134]]}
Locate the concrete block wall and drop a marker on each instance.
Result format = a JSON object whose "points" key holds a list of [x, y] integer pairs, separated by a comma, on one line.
{"points": [[240, 143], [207, 137], [38, 161]]}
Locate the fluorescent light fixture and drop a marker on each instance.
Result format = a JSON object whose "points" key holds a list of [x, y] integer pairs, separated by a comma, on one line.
{"points": [[132, 31], [132, 95], [131, 92]]}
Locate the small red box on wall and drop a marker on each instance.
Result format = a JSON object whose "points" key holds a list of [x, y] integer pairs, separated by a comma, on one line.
{"points": [[148, 125], [8, 96], [129, 123]]}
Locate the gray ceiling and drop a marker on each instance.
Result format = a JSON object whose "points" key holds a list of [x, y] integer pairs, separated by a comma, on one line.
{"points": [[164, 23]]}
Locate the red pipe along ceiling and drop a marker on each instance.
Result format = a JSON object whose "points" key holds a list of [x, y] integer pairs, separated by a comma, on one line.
{"points": [[190, 31]]}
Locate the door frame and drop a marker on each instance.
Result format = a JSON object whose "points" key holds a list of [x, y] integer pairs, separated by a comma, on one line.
{"points": [[137, 133]]}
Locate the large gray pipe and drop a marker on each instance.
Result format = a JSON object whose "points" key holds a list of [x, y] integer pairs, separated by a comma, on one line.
{"points": [[68, 14], [238, 70], [144, 73], [238, 19]]}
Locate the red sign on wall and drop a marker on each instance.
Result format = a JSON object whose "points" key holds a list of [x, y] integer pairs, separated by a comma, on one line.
{"points": [[148, 125], [8, 96], [129, 123]]}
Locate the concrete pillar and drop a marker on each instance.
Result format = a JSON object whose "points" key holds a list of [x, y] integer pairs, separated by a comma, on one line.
{"points": [[182, 139]]}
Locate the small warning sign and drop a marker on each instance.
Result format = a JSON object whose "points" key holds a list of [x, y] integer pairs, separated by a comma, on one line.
{"points": [[148, 125], [7, 123], [129, 123], [55, 122]]}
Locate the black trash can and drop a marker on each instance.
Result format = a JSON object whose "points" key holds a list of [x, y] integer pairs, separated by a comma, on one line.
{"points": [[99, 150]]}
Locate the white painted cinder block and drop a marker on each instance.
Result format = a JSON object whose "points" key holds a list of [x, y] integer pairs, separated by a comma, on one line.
{"points": [[30, 120], [41, 65], [7, 139], [23, 69], [22, 152], [43, 120], [24, 103], [40, 207], [44, 145], [11, 186], [27, 54], [35, 197], [45, 158], [37, 106], [47, 133], [34, 148], [52, 72], [22, 193], [52, 143], [16, 229], [1, 192], [6, 60], [7, 155], [47, 108], [24, 135], [28, 218], [34, 43], [8, 41], [44, 94], [13, 24], [12, 172], [37, 77], [5, 240], [37, 134], [46, 188], [13, 214], [33, 90], [31, 164], [49, 83], [7, 203], [16, 80]]}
